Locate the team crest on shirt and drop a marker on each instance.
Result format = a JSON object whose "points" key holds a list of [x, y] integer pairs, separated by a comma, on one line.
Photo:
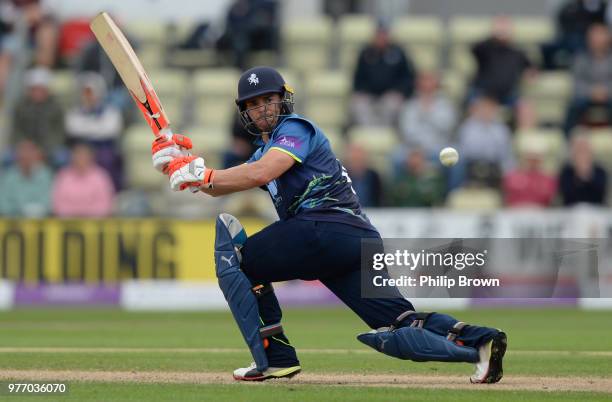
{"points": [[253, 79]]}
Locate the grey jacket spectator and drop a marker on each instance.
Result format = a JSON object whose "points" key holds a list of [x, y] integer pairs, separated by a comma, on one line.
{"points": [[39, 116], [484, 146], [590, 71], [592, 75], [427, 118], [483, 137]]}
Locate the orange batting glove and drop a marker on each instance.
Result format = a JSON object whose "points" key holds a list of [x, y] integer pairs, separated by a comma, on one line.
{"points": [[167, 147], [189, 171]]}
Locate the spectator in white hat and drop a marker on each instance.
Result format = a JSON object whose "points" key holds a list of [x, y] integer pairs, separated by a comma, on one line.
{"points": [[98, 124], [39, 115]]}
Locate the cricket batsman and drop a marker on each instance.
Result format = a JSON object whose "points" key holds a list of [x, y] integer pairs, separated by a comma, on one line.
{"points": [[318, 236]]}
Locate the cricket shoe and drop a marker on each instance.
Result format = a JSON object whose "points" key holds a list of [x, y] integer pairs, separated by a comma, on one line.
{"points": [[489, 369], [252, 374]]}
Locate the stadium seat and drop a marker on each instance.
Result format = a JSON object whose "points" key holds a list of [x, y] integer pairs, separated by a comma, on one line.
{"points": [[550, 142], [454, 85], [531, 32], [215, 91], [151, 56], [421, 37], [336, 140], [64, 87], [601, 142], [210, 142], [145, 33], [177, 34], [481, 199], [379, 142], [294, 80], [307, 43], [354, 31], [216, 81], [171, 87], [137, 139], [139, 171], [549, 93], [327, 95]]}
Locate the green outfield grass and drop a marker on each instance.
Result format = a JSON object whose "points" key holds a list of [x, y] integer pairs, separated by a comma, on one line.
{"points": [[542, 343]]}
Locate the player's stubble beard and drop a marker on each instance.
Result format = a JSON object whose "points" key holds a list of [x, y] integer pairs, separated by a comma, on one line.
{"points": [[268, 121]]}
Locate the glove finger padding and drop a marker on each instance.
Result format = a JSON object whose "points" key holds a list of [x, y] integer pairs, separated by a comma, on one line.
{"points": [[166, 148], [189, 171]]}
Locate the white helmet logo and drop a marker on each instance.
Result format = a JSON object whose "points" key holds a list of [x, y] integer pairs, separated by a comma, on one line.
{"points": [[253, 80]]}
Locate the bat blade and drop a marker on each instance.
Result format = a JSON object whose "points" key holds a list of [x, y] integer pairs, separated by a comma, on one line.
{"points": [[134, 76]]}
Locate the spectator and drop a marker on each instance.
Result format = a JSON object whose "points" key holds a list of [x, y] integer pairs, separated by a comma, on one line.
{"points": [[384, 78], [581, 179], [25, 188], [250, 25], [418, 184], [500, 65], [39, 116], [82, 189], [242, 145], [574, 19], [365, 181], [529, 185], [592, 74], [98, 124], [27, 24], [485, 146], [428, 118]]}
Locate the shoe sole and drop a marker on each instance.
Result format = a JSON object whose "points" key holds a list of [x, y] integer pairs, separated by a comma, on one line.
{"points": [[285, 373], [498, 350]]}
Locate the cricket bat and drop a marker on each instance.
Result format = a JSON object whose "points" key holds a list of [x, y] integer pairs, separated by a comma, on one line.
{"points": [[134, 76]]}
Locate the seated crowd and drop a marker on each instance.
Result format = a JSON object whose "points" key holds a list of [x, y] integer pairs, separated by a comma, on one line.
{"points": [[67, 161]]}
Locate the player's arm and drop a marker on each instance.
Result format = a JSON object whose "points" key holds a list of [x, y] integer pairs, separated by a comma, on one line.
{"points": [[250, 175], [225, 181]]}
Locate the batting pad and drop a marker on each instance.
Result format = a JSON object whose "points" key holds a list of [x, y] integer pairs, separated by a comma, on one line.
{"points": [[418, 344], [236, 288]]}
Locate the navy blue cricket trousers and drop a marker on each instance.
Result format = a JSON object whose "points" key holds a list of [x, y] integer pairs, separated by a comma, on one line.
{"points": [[331, 253]]}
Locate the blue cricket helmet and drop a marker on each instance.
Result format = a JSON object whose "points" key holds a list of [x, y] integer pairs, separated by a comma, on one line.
{"points": [[259, 81]]}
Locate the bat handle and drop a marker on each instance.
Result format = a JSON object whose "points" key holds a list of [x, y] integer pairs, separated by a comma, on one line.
{"points": [[167, 132]]}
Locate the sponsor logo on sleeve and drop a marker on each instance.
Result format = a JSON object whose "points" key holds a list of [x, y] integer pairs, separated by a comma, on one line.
{"points": [[289, 142]]}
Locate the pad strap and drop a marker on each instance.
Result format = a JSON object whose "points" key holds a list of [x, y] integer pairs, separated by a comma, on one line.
{"points": [[261, 290], [455, 331], [271, 330], [419, 319]]}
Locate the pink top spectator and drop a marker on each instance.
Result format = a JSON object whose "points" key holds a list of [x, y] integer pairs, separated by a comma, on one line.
{"points": [[525, 188], [83, 194]]}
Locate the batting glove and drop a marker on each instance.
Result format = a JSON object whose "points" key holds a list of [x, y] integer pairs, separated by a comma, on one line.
{"points": [[189, 171], [167, 147]]}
